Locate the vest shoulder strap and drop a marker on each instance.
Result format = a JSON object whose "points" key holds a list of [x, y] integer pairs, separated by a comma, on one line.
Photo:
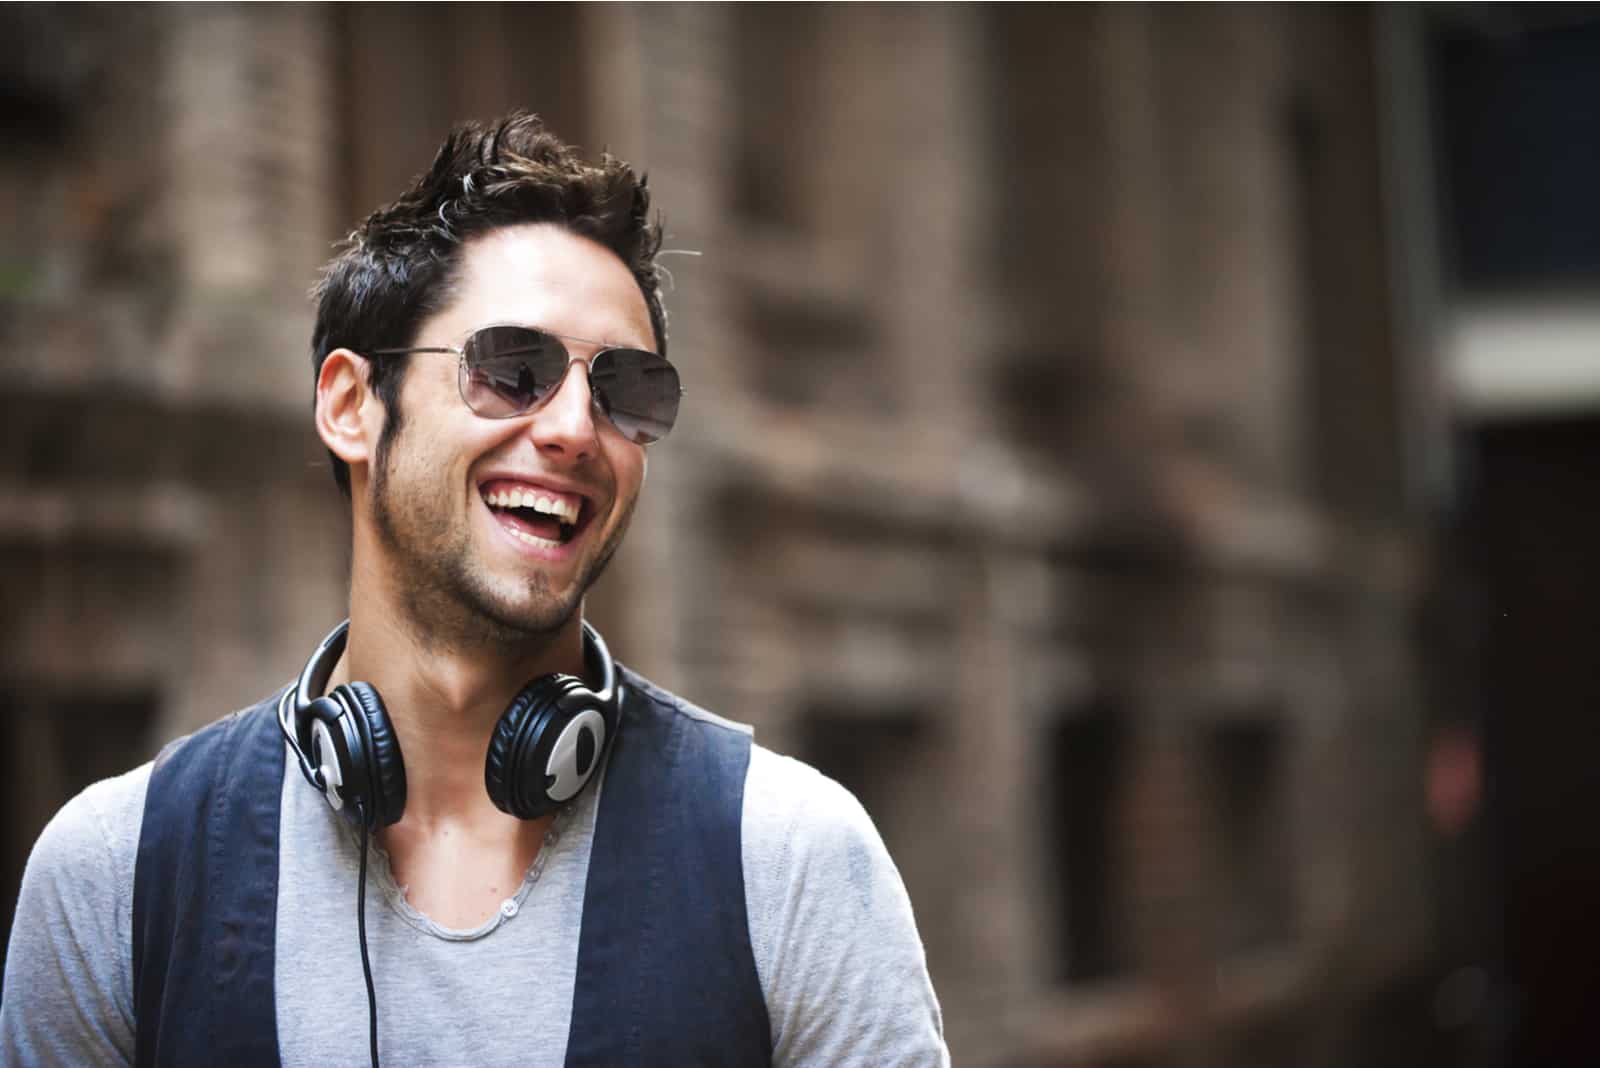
{"points": [[205, 892], [666, 973]]}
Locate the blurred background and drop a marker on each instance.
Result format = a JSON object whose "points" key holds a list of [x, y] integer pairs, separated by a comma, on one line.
{"points": [[1141, 451]]}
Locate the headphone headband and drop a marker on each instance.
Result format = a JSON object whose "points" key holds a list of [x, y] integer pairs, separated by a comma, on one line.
{"points": [[319, 668], [598, 659]]}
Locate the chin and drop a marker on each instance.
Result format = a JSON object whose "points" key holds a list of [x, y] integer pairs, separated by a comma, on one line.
{"points": [[526, 614], [452, 603], [539, 603]]}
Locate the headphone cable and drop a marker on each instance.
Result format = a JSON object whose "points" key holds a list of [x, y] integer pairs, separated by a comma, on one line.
{"points": [[361, 927]]}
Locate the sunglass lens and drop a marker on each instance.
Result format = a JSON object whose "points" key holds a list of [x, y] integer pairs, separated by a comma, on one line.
{"points": [[509, 370], [639, 391]]}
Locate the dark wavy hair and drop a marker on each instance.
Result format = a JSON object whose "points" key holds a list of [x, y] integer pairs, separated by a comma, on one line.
{"points": [[401, 265]]}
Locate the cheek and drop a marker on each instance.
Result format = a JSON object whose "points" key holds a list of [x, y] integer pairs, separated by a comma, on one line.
{"points": [[631, 467]]}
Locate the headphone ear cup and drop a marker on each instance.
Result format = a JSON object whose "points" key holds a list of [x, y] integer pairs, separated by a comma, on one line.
{"points": [[385, 769], [513, 770]]}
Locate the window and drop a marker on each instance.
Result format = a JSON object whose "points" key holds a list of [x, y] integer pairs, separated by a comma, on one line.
{"points": [[1085, 766]]}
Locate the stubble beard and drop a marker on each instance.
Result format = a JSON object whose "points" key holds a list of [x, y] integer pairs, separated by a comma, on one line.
{"points": [[450, 604]]}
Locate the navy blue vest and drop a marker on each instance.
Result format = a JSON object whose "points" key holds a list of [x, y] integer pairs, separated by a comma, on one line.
{"points": [[665, 975]]}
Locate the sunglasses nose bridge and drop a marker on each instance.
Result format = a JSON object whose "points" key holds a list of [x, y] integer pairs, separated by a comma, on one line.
{"points": [[587, 374], [566, 418]]}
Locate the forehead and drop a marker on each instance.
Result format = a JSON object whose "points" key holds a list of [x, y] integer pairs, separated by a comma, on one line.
{"points": [[544, 275]]}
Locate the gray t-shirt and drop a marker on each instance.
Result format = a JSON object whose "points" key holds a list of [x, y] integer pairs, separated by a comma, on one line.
{"points": [[836, 949]]}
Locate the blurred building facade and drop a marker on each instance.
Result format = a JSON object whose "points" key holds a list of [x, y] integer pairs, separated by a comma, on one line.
{"points": [[1050, 472]]}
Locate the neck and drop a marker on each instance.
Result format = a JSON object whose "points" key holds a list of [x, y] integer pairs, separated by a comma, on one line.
{"points": [[444, 700]]}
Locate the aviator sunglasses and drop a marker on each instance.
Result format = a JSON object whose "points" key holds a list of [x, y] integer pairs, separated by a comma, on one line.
{"points": [[507, 371]]}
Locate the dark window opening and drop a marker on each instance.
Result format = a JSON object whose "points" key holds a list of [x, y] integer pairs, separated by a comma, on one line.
{"points": [[1245, 761], [777, 53], [1086, 753]]}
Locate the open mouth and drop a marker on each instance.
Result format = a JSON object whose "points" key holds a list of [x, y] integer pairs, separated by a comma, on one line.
{"points": [[540, 517]]}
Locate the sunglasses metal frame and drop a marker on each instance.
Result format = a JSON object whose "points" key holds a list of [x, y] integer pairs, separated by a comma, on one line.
{"points": [[460, 352]]}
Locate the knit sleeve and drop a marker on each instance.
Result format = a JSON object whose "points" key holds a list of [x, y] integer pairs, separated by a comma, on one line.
{"points": [[841, 965], [68, 994]]}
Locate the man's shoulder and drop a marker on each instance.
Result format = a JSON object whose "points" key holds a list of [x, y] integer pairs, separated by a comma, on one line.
{"points": [[97, 828], [791, 808]]}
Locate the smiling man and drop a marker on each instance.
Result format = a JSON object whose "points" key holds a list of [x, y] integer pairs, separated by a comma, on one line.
{"points": [[528, 854]]}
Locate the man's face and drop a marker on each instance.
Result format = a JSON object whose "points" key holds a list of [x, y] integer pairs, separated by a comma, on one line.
{"points": [[465, 564]]}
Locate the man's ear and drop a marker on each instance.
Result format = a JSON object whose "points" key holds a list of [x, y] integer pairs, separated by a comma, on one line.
{"points": [[348, 416]]}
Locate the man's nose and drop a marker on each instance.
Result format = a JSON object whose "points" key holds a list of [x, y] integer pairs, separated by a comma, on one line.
{"points": [[565, 425]]}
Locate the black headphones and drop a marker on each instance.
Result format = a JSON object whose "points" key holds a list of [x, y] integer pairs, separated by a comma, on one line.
{"points": [[543, 752]]}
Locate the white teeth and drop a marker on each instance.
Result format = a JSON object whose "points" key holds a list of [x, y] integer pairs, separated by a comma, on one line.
{"points": [[563, 509], [543, 543], [566, 511]]}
